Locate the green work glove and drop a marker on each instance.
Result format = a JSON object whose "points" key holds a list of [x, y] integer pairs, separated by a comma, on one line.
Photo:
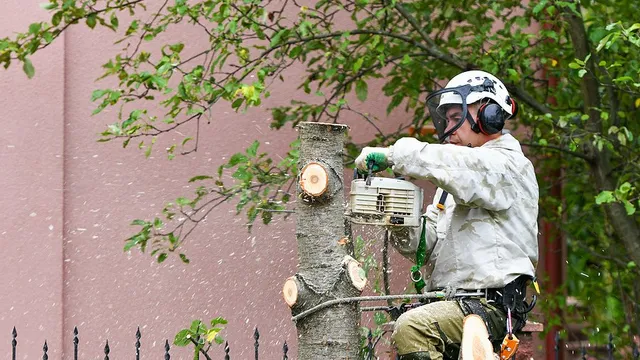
{"points": [[375, 157]]}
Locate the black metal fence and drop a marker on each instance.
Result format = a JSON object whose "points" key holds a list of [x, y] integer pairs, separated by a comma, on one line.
{"points": [[583, 351], [167, 347], [588, 352]]}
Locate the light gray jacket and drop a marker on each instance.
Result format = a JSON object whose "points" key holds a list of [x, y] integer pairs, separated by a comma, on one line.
{"points": [[487, 235]]}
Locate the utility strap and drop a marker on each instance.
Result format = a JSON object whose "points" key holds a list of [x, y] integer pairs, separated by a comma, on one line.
{"points": [[421, 254]]}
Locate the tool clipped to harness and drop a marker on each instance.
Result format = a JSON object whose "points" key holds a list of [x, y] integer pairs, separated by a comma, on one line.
{"points": [[509, 347], [510, 342]]}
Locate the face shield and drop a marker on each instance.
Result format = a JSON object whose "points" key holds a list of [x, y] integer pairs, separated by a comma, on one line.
{"points": [[448, 107]]}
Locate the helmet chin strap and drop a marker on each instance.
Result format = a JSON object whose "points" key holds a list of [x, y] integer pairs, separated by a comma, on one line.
{"points": [[474, 124]]}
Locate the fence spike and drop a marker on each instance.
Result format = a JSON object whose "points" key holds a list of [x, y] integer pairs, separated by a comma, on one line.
{"points": [[369, 345], [610, 346], [285, 350], [167, 356], [226, 351], [76, 340], [138, 336], [556, 347], [256, 335], [45, 348], [106, 350], [14, 343]]}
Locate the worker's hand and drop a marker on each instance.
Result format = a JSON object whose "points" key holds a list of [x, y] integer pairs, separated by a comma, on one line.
{"points": [[375, 157]]}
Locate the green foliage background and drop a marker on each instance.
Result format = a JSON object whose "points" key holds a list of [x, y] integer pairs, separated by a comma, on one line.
{"points": [[573, 66]]}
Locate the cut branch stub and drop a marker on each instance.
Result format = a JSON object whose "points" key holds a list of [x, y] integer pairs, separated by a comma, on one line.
{"points": [[356, 273], [314, 179], [475, 340], [290, 291]]}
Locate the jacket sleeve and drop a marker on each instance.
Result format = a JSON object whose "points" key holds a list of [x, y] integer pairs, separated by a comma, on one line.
{"points": [[406, 239], [476, 177]]}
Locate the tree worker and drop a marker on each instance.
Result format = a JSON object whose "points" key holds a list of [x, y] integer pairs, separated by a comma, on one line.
{"points": [[478, 242]]}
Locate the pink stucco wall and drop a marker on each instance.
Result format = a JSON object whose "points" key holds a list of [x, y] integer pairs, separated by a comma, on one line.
{"points": [[66, 202]]}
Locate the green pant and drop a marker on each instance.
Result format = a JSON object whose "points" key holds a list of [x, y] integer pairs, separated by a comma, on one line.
{"points": [[434, 331]]}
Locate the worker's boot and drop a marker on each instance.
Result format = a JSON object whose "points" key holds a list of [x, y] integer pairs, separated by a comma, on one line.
{"points": [[475, 340]]}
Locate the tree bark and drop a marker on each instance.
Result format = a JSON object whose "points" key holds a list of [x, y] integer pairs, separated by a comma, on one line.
{"points": [[331, 333]]}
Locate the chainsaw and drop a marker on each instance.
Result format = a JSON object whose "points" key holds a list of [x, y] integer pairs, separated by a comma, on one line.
{"points": [[383, 201]]}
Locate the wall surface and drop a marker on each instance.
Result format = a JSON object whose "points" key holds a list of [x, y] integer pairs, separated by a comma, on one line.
{"points": [[67, 202], [31, 203]]}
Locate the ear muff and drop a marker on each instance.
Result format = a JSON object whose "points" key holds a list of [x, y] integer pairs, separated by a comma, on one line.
{"points": [[491, 118], [514, 107]]}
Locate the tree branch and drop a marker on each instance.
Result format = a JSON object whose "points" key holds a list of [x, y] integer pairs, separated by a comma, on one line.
{"points": [[432, 48], [560, 149], [56, 34], [450, 59]]}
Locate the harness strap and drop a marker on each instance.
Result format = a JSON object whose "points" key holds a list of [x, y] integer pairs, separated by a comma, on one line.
{"points": [[421, 254], [472, 305]]}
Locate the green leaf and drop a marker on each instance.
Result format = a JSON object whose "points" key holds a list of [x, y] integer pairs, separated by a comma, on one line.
{"points": [[218, 321], [253, 149], [211, 334], [539, 6], [199, 178], [35, 28], [49, 5], [183, 201], [129, 245], [295, 52], [605, 197], [631, 209], [276, 38], [237, 102], [114, 21], [96, 94], [139, 222], [236, 159], [28, 68], [91, 20], [242, 174], [162, 257], [197, 327], [183, 338], [358, 64], [184, 258], [361, 90], [56, 18]]}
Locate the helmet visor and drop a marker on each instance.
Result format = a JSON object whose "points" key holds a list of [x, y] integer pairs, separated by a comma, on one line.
{"points": [[448, 110]]}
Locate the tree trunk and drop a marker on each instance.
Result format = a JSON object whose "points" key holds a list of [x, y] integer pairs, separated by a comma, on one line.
{"points": [[323, 269], [624, 225]]}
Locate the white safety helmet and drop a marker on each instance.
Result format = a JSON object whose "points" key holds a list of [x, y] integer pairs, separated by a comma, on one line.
{"points": [[467, 88]]}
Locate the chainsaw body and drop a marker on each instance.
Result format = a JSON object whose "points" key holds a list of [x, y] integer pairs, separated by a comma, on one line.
{"points": [[385, 202]]}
